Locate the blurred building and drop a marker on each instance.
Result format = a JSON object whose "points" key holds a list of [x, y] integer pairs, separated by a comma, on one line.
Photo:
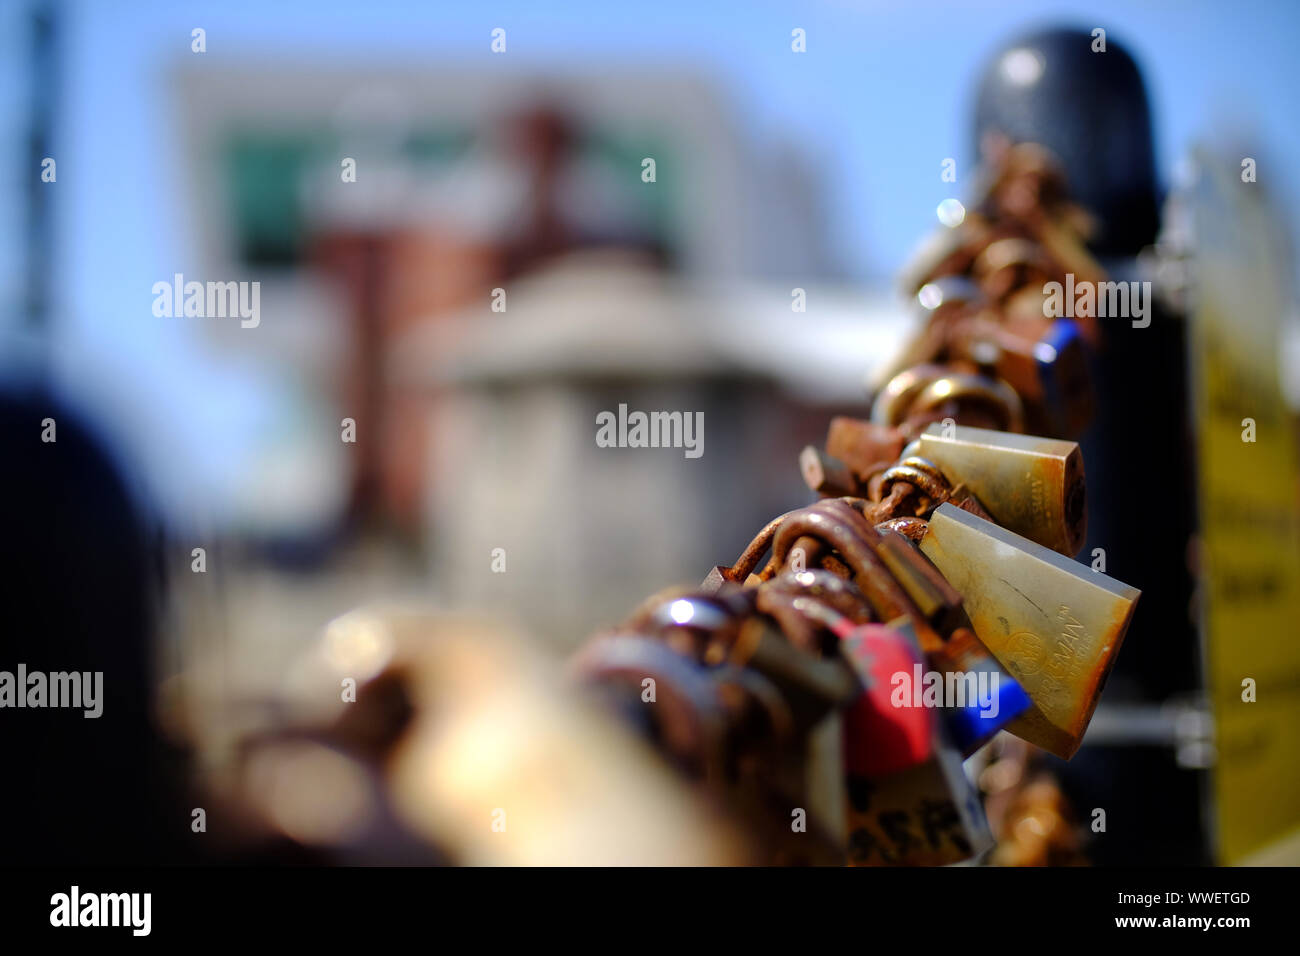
{"points": [[464, 180], [380, 209]]}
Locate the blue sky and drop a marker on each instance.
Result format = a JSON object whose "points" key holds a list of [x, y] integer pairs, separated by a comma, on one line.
{"points": [[882, 95]]}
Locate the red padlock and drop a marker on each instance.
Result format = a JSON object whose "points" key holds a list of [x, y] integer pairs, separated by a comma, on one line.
{"points": [[880, 738]]}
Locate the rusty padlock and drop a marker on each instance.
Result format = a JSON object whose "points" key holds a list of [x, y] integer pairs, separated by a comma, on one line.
{"points": [[866, 447]]}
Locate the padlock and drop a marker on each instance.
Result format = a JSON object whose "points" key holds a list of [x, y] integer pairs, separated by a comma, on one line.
{"points": [[909, 801], [837, 523], [866, 447], [825, 474], [984, 697], [1068, 396], [940, 305], [947, 252], [760, 718], [927, 393], [987, 699], [934, 597], [1007, 265], [879, 737], [1045, 362], [841, 528], [929, 815], [690, 718], [692, 622], [969, 396], [1054, 624], [841, 595], [896, 396], [824, 777], [979, 697], [777, 597], [1032, 486], [811, 685]]}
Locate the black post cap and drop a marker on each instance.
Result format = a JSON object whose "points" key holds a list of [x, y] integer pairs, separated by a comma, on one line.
{"points": [[1090, 109]]}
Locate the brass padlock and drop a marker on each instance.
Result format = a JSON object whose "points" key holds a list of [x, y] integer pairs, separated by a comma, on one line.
{"points": [[1054, 624], [1032, 486], [935, 392]]}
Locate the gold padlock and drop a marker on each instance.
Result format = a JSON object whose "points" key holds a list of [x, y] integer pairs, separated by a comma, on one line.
{"points": [[1054, 624], [1032, 486]]}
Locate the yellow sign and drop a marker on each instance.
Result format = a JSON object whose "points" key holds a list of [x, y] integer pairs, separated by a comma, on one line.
{"points": [[1249, 491]]}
